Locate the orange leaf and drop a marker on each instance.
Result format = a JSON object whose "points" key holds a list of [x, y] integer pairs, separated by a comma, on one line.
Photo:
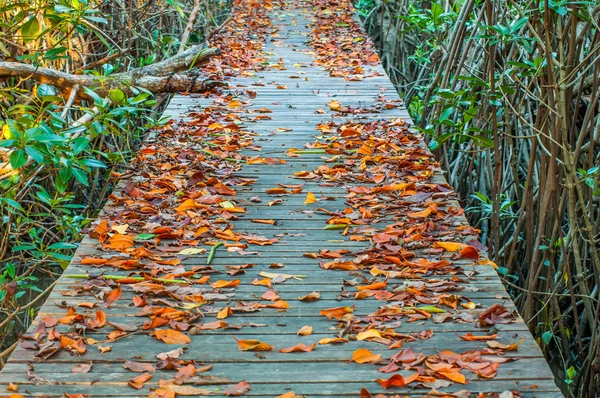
{"points": [[221, 283], [395, 381], [121, 242], [337, 313], [263, 282], [469, 252], [449, 246], [287, 395], [224, 313], [279, 304], [253, 345], [98, 321], [72, 344], [362, 355], [373, 286], [471, 337], [277, 191], [456, 377], [269, 222], [299, 348], [93, 261], [170, 336], [138, 382], [188, 204], [113, 296]]}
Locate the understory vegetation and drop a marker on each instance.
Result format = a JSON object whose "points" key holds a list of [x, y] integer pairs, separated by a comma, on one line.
{"points": [[63, 144], [507, 93]]}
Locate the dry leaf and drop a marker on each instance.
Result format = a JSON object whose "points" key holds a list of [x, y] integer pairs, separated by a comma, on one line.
{"points": [[363, 355], [170, 336], [253, 345], [305, 330]]}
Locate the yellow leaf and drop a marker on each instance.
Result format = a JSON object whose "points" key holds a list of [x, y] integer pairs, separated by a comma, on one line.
{"points": [[369, 334], [335, 106], [449, 246], [310, 198]]}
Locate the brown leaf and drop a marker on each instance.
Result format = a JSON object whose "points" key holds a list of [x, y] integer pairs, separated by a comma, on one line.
{"points": [[277, 191], [139, 367], [310, 297], [239, 389], [471, 337], [138, 381], [82, 368], [506, 347], [188, 390]]}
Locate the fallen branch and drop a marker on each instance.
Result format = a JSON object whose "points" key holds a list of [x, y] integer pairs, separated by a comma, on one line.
{"points": [[161, 77]]}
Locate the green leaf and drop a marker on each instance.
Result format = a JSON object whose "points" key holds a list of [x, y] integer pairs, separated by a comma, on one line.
{"points": [[502, 270], [13, 203], [62, 245], [117, 96], [79, 144], [547, 337], [80, 176], [93, 163], [145, 236], [19, 248], [60, 256], [18, 158], [35, 154], [10, 270], [31, 29]]}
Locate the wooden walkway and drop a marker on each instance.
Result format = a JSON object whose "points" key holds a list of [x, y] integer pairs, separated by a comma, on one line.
{"points": [[374, 250]]}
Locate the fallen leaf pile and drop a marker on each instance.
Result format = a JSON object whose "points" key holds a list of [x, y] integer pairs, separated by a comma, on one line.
{"points": [[241, 40], [338, 41]]}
